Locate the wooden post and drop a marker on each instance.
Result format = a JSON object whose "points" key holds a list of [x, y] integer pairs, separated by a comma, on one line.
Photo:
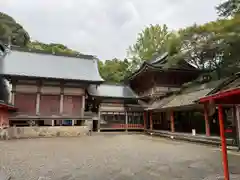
{"points": [[83, 106], [145, 120], [61, 103], [207, 126], [126, 121], [38, 103], [223, 142], [99, 119], [38, 98], [151, 121], [53, 122], [172, 121], [238, 124], [13, 92]]}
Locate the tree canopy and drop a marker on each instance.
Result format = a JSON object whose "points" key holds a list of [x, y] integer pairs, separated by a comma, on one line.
{"points": [[13, 33], [229, 8], [115, 70], [153, 40]]}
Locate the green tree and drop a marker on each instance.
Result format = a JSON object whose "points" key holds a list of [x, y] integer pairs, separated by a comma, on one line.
{"points": [[11, 31], [114, 71], [153, 40], [212, 46], [229, 8]]}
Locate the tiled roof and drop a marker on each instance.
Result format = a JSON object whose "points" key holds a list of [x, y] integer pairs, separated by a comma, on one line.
{"points": [[32, 64], [158, 104], [114, 91], [164, 63], [187, 99], [187, 96]]}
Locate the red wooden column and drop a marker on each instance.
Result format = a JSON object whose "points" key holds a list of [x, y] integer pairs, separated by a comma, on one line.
{"points": [[207, 127], [151, 121], [172, 121], [223, 140]]}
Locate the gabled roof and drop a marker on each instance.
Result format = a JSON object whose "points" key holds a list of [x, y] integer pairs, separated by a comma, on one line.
{"points": [[229, 83], [161, 63], [187, 96], [41, 65], [229, 87], [112, 91]]}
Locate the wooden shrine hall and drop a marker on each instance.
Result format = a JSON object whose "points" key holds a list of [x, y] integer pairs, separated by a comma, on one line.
{"points": [[48, 89]]}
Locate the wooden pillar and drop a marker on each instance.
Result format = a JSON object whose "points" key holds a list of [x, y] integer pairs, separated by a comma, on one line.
{"points": [[151, 121], [53, 122], [126, 121], [73, 122], [83, 106], [38, 103], [238, 124], [99, 119], [13, 93], [172, 121], [38, 98], [207, 125], [145, 120], [61, 103], [223, 142]]}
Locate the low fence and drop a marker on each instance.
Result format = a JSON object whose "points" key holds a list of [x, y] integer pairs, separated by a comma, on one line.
{"points": [[41, 131]]}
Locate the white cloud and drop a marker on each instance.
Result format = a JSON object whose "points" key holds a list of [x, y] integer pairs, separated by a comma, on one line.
{"points": [[103, 27]]}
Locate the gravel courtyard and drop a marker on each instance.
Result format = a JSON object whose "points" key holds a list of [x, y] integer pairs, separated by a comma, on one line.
{"points": [[111, 156]]}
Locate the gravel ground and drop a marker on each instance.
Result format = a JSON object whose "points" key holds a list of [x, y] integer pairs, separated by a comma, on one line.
{"points": [[111, 156]]}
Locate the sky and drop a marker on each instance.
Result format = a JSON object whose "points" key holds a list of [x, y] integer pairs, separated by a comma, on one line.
{"points": [[105, 28]]}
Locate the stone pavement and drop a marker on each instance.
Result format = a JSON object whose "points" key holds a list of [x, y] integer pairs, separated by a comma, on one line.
{"points": [[109, 156]]}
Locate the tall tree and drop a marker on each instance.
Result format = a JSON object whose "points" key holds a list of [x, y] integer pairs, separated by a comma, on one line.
{"points": [[229, 8], [115, 70], [213, 46], [11, 31], [153, 40]]}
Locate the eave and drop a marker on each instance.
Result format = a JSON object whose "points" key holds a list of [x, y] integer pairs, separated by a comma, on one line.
{"points": [[14, 77], [118, 98], [147, 65]]}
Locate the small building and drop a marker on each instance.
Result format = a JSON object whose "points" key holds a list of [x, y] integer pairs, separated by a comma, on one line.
{"points": [[118, 107], [49, 89], [158, 77]]}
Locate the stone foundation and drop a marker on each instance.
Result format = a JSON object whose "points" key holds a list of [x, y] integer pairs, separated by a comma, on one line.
{"points": [[34, 132]]}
